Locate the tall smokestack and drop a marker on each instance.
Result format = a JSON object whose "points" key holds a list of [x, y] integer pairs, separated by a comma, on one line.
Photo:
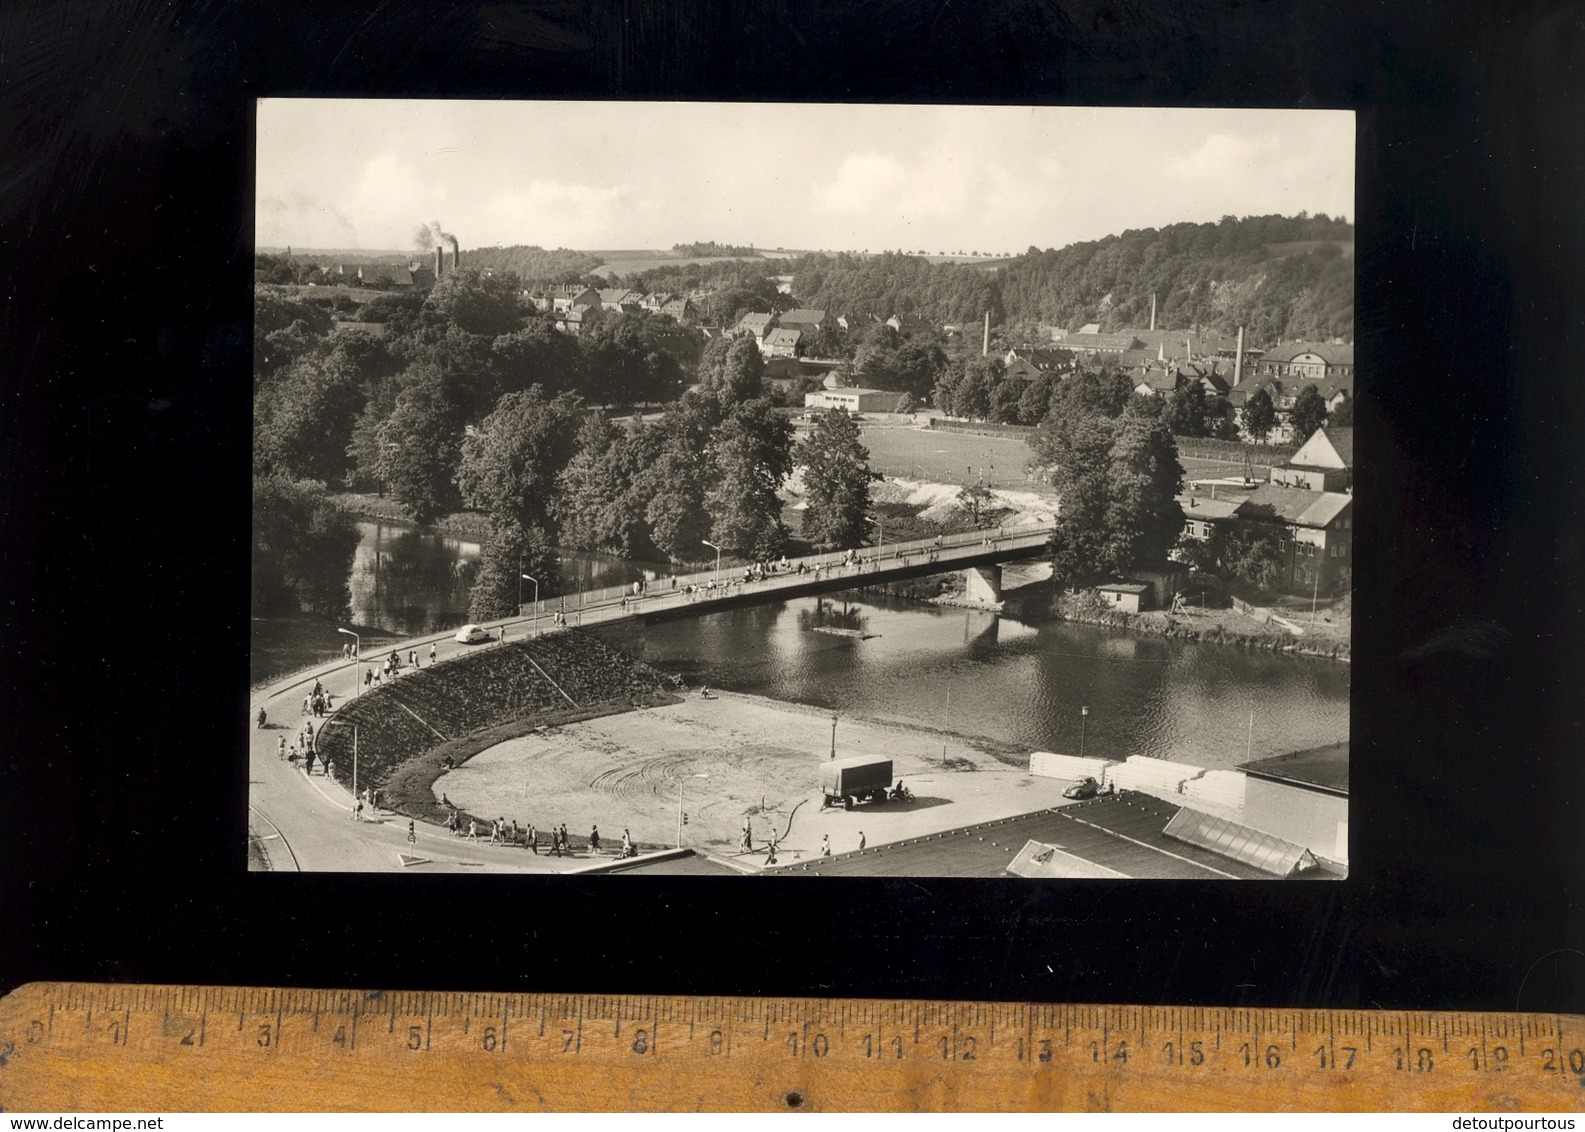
{"points": [[438, 263], [456, 254], [1238, 360], [1152, 310], [985, 347]]}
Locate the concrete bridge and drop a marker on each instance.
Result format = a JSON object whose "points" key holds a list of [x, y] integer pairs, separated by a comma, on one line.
{"points": [[978, 554]]}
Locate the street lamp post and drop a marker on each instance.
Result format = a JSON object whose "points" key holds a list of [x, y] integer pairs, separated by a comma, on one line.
{"points": [[681, 782], [1084, 717], [357, 654], [526, 578], [833, 736], [880, 531], [717, 550]]}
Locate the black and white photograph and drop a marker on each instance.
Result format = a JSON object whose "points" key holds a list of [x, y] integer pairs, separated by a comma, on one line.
{"points": [[791, 489]]}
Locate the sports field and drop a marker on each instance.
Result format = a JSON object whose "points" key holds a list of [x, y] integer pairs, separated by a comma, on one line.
{"points": [[913, 452]]}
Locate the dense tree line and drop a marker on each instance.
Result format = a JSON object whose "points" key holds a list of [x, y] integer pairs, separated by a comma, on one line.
{"points": [[1281, 277], [531, 264], [1118, 475], [711, 248], [390, 412]]}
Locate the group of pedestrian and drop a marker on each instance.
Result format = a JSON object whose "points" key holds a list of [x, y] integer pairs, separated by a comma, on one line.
{"points": [[318, 702]]}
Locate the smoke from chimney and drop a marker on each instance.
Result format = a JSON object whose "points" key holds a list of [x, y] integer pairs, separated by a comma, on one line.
{"points": [[426, 236], [456, 253]]}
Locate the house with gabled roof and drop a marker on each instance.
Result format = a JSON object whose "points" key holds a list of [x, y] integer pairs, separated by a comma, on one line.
{"points": [[782, 342], [620, 300], [1325, 462], [810, 320], [680, 308], [758, 324], [1315, 534]]}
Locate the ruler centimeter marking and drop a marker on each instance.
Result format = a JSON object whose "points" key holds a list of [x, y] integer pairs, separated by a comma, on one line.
{"points": [[724, 1052]]}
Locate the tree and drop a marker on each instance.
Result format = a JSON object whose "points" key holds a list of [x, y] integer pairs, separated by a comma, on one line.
{"points": [[1119, 480], [1079, 454], [1186, 409], [298, 326], [1204, 554], [837, 477], [509, 466], [1342, 416], [1253, 553], [486, 305], [303, 547], [752, 457], [1006, 395], [303, 420], [541, 355], [675, 481], [731, 370], [976, 502], [1308, 413], [1260, 416], [1035, 400], [510, 552], [1143, 517], [421, 442], [602, 499]]}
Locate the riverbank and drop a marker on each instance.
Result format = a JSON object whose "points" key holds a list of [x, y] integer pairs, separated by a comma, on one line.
{"points": [[474, 526], [1324, 640]]}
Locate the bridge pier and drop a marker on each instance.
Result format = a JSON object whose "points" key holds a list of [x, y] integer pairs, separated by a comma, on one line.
{"points": [[983, 583]]}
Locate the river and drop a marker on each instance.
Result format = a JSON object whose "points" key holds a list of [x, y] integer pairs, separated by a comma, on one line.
{"points": [[964, 672]]}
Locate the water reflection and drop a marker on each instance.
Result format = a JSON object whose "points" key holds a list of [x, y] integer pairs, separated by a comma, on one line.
{"points": [[411, 580], [979, 674]]}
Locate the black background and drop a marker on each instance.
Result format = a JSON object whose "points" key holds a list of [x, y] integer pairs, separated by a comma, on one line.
{"points": [[126, 200]]}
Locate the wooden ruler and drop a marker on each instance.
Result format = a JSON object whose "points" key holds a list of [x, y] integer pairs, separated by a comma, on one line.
{"points": [[82, 1047]]}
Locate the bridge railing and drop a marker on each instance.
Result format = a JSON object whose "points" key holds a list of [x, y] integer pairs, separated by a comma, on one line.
{"points": [[608, 604]]}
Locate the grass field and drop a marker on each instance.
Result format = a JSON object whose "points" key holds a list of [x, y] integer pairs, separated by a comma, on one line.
{"points": [[947, 457], [944, 457], [630, 262]]}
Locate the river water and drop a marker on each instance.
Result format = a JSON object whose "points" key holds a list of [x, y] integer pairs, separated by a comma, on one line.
{"points": [[959, 671]]}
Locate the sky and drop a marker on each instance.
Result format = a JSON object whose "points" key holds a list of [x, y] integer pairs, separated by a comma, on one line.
{"points": [[368, 173]]}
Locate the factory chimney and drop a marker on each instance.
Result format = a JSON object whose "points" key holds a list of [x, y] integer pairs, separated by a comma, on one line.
{"points": [[1152, 310], [438, 263], [1238, 360], [456, 254], [985, 346]]}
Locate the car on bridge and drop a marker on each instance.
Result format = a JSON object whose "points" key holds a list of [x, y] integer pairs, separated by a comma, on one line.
{"points": [[472, 635]]}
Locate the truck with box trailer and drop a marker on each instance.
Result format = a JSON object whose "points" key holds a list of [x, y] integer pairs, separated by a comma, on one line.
{"points": [[849, 782]]}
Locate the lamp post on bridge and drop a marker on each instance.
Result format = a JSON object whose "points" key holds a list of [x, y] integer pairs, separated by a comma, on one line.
{"points": [[527, 578], [880, 531], [717, 549], [1084, 717], [357, 654]]}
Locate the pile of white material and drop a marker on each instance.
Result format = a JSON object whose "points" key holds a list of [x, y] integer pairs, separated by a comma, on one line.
{"points": [[1156, 777], [939, 501], [1217, 792], [1045, 764]]}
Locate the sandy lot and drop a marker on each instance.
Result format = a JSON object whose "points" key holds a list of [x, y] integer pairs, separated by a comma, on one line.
{"points": [[762, 759]]}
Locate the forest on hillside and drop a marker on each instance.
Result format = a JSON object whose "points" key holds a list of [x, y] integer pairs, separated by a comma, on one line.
{"points": [[1282, 277], [533, 264]]}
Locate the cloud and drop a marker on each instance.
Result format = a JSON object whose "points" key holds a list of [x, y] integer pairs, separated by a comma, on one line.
{"points": [[567, 213], [1220, 155]]}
